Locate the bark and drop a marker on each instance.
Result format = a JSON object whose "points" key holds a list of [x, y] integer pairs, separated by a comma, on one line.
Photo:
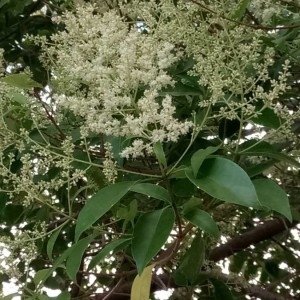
{"points": [[256, 291], [254, 236]]}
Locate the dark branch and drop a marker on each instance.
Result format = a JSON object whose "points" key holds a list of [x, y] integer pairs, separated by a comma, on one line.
{"points": [[258, 234]]}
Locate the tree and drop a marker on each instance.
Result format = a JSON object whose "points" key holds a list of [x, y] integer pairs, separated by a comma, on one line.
{"points": [[148, 145]]}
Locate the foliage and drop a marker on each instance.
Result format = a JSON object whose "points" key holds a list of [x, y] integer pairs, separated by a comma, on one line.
{"points": [[137, 136]]}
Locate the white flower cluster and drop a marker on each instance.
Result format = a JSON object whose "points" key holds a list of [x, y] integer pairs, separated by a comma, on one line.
{"points": [[264, 10], [20, 248], [111, 74], [231, 61], [109, 165]]}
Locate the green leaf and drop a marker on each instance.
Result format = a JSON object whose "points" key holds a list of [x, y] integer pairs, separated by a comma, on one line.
{"points": [[221, 290], [199, 156], [240, 10], [40, 297], [184, 66], [151, 190], [141, 285], [182, 187], [111, 247], [75, 256], [52, 241], [21, 80], [11, 296], [181, 89], [272, 196], [117, 143], [223, 179], [63, 296], [192, 261], [203, 220], [267, 118], [257, 148], [99, 204], [128, 213], [257, 169], [160, 155], [39, 276], [18, 98], [43, 277], [150, 233], [3, 2]]}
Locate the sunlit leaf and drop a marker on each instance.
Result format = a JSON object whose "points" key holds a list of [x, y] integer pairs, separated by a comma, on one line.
{"points": [[21, 80], [140, 289]]}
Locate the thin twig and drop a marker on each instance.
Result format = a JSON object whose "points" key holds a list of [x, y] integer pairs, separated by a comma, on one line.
{"points": [[113, 289], [254, 26]]}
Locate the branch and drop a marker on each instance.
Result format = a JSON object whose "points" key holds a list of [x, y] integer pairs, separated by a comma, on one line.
{"points": [[279, 27], [258, 234], [254, 236], [256, 291]]}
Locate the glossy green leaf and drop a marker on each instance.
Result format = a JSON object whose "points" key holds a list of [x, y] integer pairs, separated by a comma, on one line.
{"points": [[150, 233], [221, 290], [99, 204], [223, 179], [152, 190], [203, 220], [192, 261], [75, 256], [111, 247], [199, 156], [160, 155], [272, 196], [140, 289], [21, 80]]}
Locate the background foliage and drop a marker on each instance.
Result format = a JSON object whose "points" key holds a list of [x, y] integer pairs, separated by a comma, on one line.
{"points": [[81, 216]]}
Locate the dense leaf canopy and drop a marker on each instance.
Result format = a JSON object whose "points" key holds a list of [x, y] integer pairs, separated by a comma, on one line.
{"points": [[149, 146]]}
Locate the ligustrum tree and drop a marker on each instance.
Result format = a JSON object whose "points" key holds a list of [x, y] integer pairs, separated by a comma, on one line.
{"points": [[149, 146]]}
